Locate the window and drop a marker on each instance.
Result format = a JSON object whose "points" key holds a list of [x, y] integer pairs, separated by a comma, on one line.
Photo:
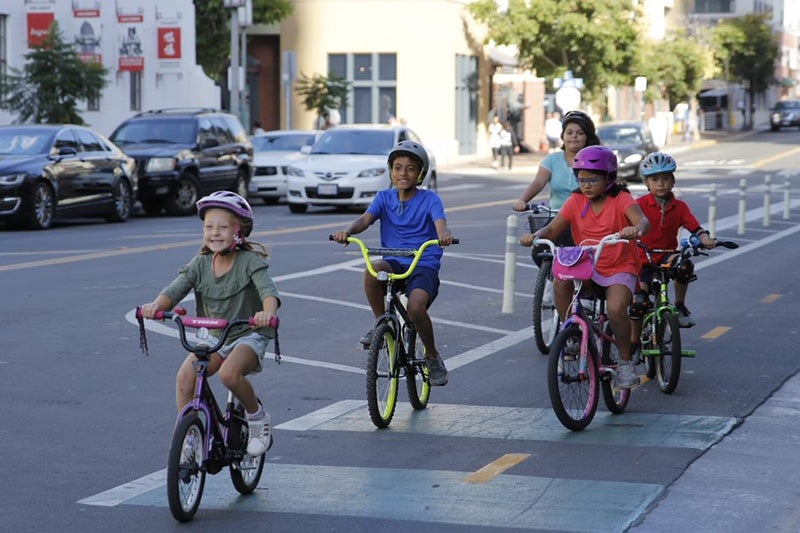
{"points": [[714, 6], [89, 141], [136, 91], [373, 89], [3, 46], [93, 102], [66, 139]]}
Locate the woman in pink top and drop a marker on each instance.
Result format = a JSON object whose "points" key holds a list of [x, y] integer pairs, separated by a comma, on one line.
{"points": [[600, 207]]}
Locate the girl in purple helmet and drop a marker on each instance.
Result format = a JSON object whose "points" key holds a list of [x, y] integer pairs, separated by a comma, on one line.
{"points": [[229, 278], [599, 207]]}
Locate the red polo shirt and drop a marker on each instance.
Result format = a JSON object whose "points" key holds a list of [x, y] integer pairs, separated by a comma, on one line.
{"points": [[664, 226]]}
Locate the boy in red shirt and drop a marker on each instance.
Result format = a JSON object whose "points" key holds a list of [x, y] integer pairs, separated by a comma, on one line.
{"points": [[667, 215]]}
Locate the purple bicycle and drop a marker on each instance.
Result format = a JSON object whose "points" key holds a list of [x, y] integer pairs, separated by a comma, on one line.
{"points": [[206, 438]]}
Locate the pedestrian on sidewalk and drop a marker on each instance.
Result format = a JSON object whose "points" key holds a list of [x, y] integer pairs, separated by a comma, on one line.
{"points": [[494, 139], [506, 146], [552, 130]]}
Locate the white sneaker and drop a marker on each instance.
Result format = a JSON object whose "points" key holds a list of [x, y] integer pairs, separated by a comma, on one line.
{"points": [[259, 440], [626, 375]]}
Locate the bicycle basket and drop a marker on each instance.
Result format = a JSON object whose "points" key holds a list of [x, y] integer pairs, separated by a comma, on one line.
{"points": [[537, 221], [573, 262]]}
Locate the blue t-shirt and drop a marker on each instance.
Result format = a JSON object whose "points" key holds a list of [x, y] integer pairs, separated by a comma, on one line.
{"points": [[562, 179], [410, 224]]}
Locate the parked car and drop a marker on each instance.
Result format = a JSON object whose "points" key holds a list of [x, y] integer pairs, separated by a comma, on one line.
{"points": [[631, 141], [184, 154], [49, 171], [347, 166], [273, 152], [785, 114]]}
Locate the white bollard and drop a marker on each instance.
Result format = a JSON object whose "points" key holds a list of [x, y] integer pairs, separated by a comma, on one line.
{"points": [[712, 211], [786, 198], [509, 278], [742, 204], [767, 199]]}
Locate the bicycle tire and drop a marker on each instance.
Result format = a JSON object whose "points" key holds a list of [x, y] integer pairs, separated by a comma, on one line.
{"points": [[185, 477], [245, 473], [615, 398], [382, 375], [573, 397], [545, 316], [668, 363], [417, 384]]}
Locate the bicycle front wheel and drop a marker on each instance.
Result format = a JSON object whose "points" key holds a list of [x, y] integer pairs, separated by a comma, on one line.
{"points": [[382, 375], [573, 394], [417, 384], [245, 473], [185, 477], [615, 398], [545, 316], [668, 362]]}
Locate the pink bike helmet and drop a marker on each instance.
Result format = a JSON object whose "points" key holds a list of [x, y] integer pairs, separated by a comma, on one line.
{"points": [[599, 158], [229, 201]]}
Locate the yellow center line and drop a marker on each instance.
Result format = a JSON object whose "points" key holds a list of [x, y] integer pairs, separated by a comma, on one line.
{"points": [[770, 298], [762, 162], [716, 332], [495, 468]]}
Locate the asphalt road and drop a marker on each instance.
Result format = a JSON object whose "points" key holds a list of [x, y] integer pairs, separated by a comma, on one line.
{"points": [[88, 418]]}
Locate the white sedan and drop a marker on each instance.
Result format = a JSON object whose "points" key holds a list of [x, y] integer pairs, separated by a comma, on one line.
{"points": [[347, 167], [273, 152]]}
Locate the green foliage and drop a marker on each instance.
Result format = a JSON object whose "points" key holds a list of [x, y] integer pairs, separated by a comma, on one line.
{"points": [[553, 36], [746, 50], [212, 26], [52, 82], [319, 92], [675, 68]]}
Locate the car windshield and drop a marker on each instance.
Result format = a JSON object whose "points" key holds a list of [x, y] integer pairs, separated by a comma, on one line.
{"points": [[356, 142], [287, 143], [782, 106], [157, 130], [28, 142], [620, 135]]}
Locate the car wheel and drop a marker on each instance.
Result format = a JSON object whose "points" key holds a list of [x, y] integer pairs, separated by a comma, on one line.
{"points": [[123, 203], [183, 198], [298, 208], [240, 186], [42, 207]]}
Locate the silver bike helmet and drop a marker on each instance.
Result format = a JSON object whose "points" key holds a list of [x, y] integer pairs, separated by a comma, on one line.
{"points": [[415, 151]]}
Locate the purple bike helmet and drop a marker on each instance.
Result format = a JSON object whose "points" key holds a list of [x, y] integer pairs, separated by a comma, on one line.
{"points": [[229, 201], [599, 158]]}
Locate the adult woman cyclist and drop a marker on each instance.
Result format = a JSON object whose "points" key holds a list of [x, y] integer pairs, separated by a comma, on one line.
{"points": [[577, 132]]}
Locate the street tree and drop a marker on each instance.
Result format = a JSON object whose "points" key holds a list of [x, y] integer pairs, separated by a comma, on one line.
{"points": [[677, 66], [746, 50], [52, 82], [554, 36], [322, 94], [213, 30]]}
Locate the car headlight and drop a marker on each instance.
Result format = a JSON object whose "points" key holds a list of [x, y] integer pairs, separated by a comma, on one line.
{"points": [[160, 164], [633, 158], [12, 179], [296, 172], [372, 172]]}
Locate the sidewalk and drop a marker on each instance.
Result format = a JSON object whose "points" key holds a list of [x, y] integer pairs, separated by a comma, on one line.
{"points": [[526, 164]]}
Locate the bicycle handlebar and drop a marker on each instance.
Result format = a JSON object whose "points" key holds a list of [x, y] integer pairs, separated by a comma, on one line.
{"points": [[177, 315], [690, 246], [538, 208], [397, 252], [614, 238]]}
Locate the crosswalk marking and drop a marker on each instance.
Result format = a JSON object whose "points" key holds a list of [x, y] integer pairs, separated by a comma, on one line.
{"points": [[524, 423]]}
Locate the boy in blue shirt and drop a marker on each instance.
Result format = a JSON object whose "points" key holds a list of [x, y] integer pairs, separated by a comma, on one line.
{"points": [[409, 216]]}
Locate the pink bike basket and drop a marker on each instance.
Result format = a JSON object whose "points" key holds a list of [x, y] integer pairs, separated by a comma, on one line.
{"points": [[573, 263]]}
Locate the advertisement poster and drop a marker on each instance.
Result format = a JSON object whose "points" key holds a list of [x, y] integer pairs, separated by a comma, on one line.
{"points": [[39, 16], [131, 53], [169, 47], [86, 20]]}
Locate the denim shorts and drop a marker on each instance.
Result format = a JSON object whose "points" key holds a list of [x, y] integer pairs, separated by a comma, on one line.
{"points": [[256, 341], [423, 278]]}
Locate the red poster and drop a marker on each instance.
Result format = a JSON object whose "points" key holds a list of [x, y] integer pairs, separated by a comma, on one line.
{"points": [[169, 43], [38, 24]]}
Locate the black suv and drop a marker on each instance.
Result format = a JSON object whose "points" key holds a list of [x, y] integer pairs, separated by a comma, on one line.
{"points": [[184, 154], [785, 114]]}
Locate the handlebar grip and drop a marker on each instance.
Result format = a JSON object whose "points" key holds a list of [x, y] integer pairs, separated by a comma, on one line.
{"points": [[456, 241], [274, 322], [730, 245], [330, 237]]}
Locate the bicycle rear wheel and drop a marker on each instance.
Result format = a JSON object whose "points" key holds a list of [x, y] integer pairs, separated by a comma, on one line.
{"points": [[245, 473], [417, 384], [668, 362], [573, 395], [185, 478], [615, 398], [545, 316], [382, 375]]}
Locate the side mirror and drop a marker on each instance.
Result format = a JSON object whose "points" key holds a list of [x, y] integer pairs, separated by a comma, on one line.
{"points": [[67, 150], [305, 149]]}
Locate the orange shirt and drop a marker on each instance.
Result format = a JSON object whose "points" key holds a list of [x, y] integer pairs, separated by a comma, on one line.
{"points": [[615, 258]]}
